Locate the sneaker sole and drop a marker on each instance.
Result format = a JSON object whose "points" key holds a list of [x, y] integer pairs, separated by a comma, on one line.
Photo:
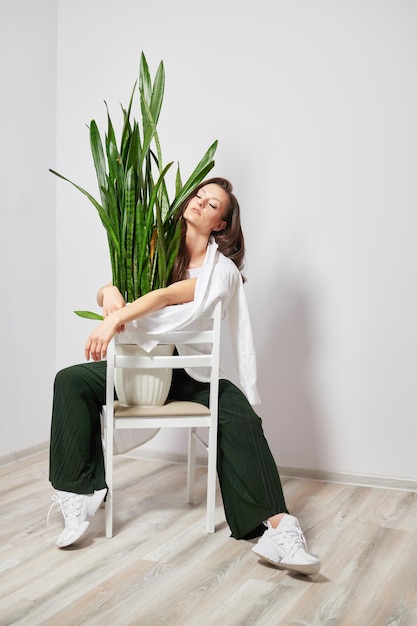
{"points": [[307, 568]]}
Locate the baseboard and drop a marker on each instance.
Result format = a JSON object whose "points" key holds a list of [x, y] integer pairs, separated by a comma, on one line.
{"points": [[363, 480], [20, 455]]}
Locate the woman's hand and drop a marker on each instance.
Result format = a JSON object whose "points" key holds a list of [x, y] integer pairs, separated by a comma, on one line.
{"points": [[112, 300], [99, 339]]}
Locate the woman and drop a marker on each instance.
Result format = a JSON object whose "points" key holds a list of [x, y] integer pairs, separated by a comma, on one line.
{"points": [[208, 268]]}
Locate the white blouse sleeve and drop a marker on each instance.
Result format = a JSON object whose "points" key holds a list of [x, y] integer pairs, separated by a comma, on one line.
{"points": [[242, 338]]}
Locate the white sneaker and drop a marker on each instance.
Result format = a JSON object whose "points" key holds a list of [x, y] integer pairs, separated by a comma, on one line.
{"points": [[75, 509], [285, 547]]}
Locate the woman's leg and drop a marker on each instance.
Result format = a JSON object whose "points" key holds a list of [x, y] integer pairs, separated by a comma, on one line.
{"points": [[76, 464], [248, 476], [76, 461], [249, 479]]}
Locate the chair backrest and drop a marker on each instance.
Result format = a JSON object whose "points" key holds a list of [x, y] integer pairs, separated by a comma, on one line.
{"points": [[189, 339]]}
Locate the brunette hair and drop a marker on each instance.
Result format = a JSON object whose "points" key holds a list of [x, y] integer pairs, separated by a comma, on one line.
{"points": [[230, 240]]}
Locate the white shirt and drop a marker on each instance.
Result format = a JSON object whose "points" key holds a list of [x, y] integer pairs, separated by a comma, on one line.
{"points": [[218, 279]]}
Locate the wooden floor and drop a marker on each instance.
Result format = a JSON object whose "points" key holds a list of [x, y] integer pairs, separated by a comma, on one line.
{"points": [[161, 567]]}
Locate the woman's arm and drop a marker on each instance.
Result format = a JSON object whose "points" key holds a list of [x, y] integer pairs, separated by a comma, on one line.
{"points": [[110, 299], [177, 293], [100, 293]]}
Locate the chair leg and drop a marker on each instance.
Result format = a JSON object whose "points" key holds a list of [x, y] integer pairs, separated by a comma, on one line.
{"points": [[191, 465], [211, 482], [108, 512]]}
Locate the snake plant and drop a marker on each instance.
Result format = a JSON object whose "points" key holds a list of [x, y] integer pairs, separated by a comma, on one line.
{"points": [[134, 207]]}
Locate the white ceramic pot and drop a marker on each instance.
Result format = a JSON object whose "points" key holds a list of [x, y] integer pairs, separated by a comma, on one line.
{"points": [[143, 387]]}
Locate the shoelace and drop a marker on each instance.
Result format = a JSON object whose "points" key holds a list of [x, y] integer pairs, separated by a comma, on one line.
{"points": [[55, 500], [292, 540], [70, 509]]}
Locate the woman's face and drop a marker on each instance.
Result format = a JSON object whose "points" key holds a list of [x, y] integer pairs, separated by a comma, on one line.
{"points": [[206, 209]]}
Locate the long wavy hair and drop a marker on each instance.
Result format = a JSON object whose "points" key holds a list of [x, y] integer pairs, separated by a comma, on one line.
{"points": [[230, 240]]}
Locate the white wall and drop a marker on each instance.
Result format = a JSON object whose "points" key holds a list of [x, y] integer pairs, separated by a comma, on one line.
{"points": [[27, 221], [313, 103]]}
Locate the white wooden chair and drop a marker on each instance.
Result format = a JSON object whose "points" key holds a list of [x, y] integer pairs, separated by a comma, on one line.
{"points": [[174, 414]]}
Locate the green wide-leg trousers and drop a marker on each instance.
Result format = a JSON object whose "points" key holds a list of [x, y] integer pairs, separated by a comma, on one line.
{"points": [[248, 476]]}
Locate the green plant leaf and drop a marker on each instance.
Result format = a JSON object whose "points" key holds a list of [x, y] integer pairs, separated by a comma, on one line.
{"points": [[127, 128], [133, 158], [145, 83], [114, 158], [128, 229], [158, 90], [98, 159], [150, 131], [89, 315], [103, 215], [178, 182], [173, 248], [200, 172]]}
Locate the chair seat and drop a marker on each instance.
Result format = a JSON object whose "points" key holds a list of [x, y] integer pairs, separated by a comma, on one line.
{"points": [[174, 408]]}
